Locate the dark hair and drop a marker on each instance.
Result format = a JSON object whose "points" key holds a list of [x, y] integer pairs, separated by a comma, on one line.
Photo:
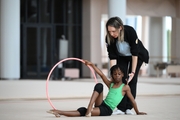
{"points": [[116, 67]]}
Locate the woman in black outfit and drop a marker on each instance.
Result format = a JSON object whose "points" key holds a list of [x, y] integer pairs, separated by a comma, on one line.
{"points": [[125, 49]]}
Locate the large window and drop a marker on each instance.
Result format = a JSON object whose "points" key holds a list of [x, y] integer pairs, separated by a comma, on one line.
{"points": [[44, 23]]}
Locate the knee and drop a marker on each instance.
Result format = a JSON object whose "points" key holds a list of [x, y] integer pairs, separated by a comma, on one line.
{"points": [[98, 87], [82, 111]]}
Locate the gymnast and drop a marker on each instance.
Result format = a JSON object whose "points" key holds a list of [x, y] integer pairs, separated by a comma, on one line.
{"points": [[97, 106]]}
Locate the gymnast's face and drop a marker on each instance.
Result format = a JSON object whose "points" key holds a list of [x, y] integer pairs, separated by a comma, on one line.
{"points": [[117, 75], [114, 32]]}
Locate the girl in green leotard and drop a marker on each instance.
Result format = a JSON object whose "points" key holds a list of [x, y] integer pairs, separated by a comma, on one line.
{"points": [[97, 106]]}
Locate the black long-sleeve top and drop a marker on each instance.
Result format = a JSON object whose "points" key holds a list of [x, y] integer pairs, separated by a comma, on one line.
{"points": [[136, 46]]}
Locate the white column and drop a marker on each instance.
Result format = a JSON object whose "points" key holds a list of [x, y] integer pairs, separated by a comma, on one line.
{"points": [[145, 40], [117, 8], [10, 39], [155, 43]]}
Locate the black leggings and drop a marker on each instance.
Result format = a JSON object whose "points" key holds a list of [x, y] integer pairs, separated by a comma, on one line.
{"points": [[105, 110], [123, 62]]}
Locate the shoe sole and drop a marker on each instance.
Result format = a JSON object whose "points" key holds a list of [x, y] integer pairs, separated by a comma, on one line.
{"points": [[118, 113]]}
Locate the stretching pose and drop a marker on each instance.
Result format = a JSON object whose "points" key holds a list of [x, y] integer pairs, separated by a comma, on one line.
{"points": [[97, 106]]}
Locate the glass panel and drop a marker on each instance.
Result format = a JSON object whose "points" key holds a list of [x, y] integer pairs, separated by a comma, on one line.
{"points": [[23, 9], [59, 11], [32, 11], [31, 51], [66, 11], [45, 50], [60, 35], [44, 14], [77, 41], [76, 11], [60, 30]]}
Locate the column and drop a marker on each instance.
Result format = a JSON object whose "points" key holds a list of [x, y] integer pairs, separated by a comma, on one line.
{"points": [[10, 39], [145, 40], [155, 43], [117, 8]]}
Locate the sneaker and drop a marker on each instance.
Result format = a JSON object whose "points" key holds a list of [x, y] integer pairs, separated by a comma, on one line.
{"points": [[118, 112], [129, 112]]}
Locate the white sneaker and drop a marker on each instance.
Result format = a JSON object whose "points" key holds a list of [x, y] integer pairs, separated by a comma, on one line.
{"points": [[129, 112], [118, 112]]}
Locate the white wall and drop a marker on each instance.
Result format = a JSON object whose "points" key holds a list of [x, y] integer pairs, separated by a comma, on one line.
{"points": [[92, 10]]}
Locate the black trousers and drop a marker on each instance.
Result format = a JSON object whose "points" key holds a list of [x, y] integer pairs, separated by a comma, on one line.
{"points": [[126, 62]]}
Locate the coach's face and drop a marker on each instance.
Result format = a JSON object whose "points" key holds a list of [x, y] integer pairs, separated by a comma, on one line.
{"points": [[114, 32]]}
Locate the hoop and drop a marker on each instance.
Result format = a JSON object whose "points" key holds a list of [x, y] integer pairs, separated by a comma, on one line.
{"points": [[66, 59]]}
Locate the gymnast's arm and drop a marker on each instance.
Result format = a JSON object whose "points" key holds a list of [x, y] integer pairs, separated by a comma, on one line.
{"points": [[99, 72], [127, 90]]}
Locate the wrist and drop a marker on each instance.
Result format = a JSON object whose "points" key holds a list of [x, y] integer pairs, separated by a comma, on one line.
{"points": [[133, 72]]}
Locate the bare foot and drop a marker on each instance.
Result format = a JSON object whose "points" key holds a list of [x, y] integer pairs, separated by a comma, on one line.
{"points": [[88, 113], [54, 112]]}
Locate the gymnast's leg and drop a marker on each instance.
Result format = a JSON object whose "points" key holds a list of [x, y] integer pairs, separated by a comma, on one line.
{"points": [[96, 100]]}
